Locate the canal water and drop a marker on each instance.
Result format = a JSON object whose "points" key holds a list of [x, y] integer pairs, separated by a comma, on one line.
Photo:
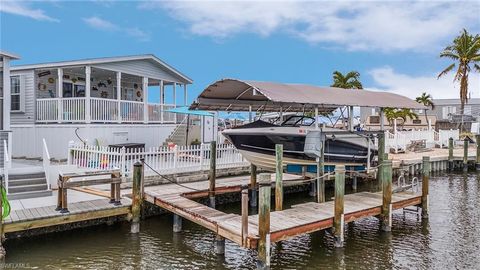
{"points": [[449, 239]]}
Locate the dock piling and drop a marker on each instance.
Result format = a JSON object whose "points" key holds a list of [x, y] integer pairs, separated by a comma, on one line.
{"points": [[278, 177], [253, 186], [338, 220], [219, 245], [354, 182], [264, 221], [386, 172], [320, 190], [465, 154], [425, 180], [381, 157], [137, 196], [177, 223], [244, 215], [477, 163], [450, 154], [212, 173]]}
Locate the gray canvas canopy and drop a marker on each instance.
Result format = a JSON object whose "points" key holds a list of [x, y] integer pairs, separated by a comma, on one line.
{"points": [[238, 95]]}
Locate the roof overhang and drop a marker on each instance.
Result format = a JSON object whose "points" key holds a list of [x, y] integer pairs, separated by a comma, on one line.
{"points": [[9, 55], [238, 95]]}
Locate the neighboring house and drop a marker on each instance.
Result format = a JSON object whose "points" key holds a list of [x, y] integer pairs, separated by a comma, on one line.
{"points": [[5, 101], [449, 109], [370, 119], [102, 100]]}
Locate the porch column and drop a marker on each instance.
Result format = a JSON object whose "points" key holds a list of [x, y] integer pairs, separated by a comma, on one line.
{"points": [[185, 97], [162, 101], [88, 71], [119, 97], [145, 100], [175, 100], [7, 91], [60, 94]]}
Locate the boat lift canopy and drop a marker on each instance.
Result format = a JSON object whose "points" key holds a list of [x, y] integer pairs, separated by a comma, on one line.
{"points": [[239, 95], [186, 110]]}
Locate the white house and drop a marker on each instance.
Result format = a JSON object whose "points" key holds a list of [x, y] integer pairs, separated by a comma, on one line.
{"points": [[103, 101]]}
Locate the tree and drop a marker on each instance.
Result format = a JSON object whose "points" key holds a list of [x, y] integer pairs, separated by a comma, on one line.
{"points": [[349, 81], [465, 52], [426, 100], [391, 114]]}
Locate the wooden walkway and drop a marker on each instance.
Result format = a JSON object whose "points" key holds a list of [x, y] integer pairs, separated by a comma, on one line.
{"points": [[300, 219], [32, 218]]}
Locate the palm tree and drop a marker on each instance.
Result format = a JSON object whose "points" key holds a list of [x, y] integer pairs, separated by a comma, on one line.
{"points": [[349, 81], [465, 51], [426, 100], [406, 113]]}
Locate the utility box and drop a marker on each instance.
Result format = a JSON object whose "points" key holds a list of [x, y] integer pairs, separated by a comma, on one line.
{"points": [[313, 143]]}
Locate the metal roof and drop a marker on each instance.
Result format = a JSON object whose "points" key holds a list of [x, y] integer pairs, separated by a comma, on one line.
{"points": [[9, 55], [93, 61], [239, 95]]}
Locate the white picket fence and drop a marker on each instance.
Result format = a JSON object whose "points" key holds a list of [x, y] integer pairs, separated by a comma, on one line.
{"points": [[164, 160], [398, 141]]}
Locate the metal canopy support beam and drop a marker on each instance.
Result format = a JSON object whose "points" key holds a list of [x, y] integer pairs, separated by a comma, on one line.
{"points": [[316, 118], [119, 96], [162, 101], [382, 115], [350, 118], [60, 93], [145, 99], [88, 72]]}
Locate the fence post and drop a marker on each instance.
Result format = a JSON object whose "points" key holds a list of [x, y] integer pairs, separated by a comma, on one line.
{"points": [[338, 219], [264, 180], [477, 163], [202, 152], [212, 173], [253, 185], [386, 171], [425, 180], [450, 154], [137, 196], [321, 172], [279, 177], [71, 145], [123, 160], [465, 154], [175, 156]]}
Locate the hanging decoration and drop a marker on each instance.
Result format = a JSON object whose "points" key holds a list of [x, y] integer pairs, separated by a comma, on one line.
{"points": [[51, 80], [44, 73], [104, 94], [101, 84], [94, 88], [109, 82]]}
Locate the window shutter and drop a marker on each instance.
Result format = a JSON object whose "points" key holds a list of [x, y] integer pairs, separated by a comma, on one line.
{"points": [[22, 92]]}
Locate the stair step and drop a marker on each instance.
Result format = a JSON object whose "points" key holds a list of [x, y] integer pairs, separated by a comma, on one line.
{"points": [[27, 188], [28, 195], [26, 182], [26, 176]]}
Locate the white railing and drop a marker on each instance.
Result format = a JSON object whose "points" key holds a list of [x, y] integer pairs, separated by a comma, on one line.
{"points": [[445, 135], [169, 117], [46, 159], [398, 141], [155, 113], [6, 164], [131, 111], [104, 110], [73, 109], [164, 160], [47, 110]]}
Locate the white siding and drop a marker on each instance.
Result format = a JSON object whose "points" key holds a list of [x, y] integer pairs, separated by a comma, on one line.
{"points": [[27, 81], [141, 68]]}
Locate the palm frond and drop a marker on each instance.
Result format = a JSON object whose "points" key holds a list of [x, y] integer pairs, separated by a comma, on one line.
{"points": [[445, 71]]}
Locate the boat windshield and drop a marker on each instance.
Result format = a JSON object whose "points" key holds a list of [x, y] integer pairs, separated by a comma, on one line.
{"points": [[298, 120]]}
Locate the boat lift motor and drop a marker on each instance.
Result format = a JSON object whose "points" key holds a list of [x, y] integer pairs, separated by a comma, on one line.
{"points": [[313, 143]]}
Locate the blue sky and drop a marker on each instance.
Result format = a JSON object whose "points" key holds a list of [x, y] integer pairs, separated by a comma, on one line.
{"points": [[394, 45]]}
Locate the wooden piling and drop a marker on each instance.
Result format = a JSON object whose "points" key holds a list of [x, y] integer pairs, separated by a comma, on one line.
{"points": [[219, 245], [450, 154], [381, 158], [425, 180], [264, 221], [338, 220], [137, 196], [253, 186], [477, 163], [177, 223], [386, 172], [320, 190], [465, 154], [278, 177], [354, 182], [213, 172], [244, 216]]}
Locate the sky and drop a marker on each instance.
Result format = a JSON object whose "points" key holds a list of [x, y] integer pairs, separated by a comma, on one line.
{"points": [[395, 45]]}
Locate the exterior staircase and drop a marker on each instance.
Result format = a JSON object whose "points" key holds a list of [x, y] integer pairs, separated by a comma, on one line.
{"points": [[24, 185], [178, 134]]}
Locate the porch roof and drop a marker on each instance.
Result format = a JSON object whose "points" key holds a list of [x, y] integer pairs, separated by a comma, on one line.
{"points": [[93, 61], [239, 95]]}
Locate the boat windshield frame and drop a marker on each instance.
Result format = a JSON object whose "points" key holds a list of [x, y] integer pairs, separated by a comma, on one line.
{"points": [[299, 122]]}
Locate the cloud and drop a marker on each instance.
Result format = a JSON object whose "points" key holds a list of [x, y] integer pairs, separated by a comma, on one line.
{"points": [[104, 25], [23, 9], [360, 25], [386, 79]]}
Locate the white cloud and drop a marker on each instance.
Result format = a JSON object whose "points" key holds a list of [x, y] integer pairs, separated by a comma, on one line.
{"points": [[104, 25], [360, 25], [23, 9], [386, 79]]}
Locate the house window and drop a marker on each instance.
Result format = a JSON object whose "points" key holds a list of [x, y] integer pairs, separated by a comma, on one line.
{"points": [[374, 119], [417, 121], [73, 90], [16, 105]]}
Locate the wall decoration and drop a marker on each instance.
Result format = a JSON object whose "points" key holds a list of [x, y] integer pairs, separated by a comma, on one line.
{"points": [[109, 82], [94, 88], [41, 86], [66, 77], [50, 91], [101, 84], [135, 86], [44, 73], [74, 80], [80, 79], [104, 94], [139, 94], [51, 80]]}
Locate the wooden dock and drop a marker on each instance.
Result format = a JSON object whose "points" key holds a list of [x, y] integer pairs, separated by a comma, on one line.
{"points": [[299, 219]]}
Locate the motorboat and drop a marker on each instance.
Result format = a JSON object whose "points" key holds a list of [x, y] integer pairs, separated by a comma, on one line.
{"points": [[256, 142]]}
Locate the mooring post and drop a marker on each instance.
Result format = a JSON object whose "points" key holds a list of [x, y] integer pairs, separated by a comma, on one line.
{"points": [[321, 173], [465, 154], [338, 220], [253, 186], [219, 245], [264, 221], [381, 158], [244, 215], [450, 154], [278, 177], [137, 196], [354, 182], [425, 180], [386, 171], [477, 163], [177, 223], [213, 173]]}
